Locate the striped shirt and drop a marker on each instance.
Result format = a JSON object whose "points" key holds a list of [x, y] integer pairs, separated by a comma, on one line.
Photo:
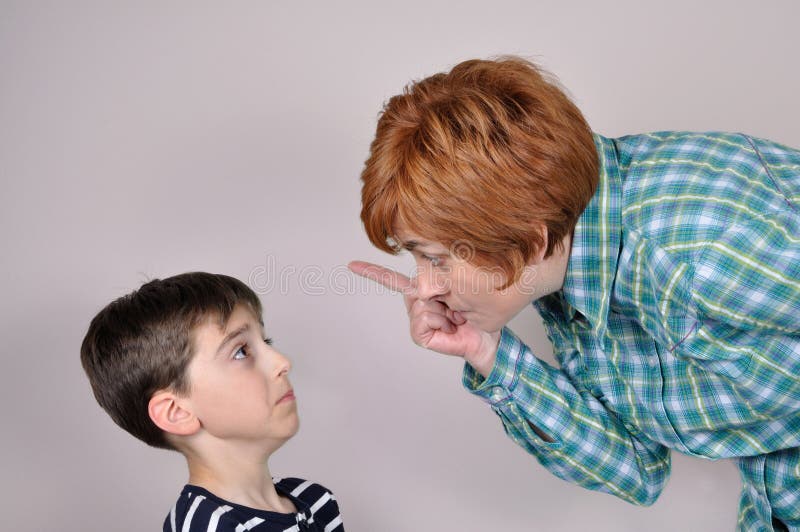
{"points": [[678, 324], [198, 509]]}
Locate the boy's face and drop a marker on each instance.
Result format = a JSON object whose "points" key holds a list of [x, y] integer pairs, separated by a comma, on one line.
{"points": [[239, 385]]}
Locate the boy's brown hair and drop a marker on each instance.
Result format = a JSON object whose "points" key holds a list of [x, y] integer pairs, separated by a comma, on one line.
{"points": [[483, 155], [143, 342]]}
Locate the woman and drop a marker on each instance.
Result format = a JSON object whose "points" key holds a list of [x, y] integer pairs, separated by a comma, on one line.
{"points": [[666, 268]]}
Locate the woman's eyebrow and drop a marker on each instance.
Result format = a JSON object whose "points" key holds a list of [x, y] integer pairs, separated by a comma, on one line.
{"points": [[412, 245]]}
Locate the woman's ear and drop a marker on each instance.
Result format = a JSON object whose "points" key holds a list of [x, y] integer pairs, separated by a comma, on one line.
{"points": [[172, 413], [538, 257]]}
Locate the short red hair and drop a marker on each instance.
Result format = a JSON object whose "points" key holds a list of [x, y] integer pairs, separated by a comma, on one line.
{"points": [[483, 155]]}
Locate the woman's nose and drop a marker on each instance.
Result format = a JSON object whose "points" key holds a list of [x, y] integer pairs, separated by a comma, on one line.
{"points": [[431, 283]]}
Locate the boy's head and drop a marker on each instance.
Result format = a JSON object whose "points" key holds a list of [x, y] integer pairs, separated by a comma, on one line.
{"points": [[491, 155], [155, 357]]}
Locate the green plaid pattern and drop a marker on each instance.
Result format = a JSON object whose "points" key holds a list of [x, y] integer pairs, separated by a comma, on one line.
{"points": [[678, 326]]}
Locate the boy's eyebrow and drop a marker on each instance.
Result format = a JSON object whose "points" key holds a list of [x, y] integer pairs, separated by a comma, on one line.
{"points": [[231, 335]]}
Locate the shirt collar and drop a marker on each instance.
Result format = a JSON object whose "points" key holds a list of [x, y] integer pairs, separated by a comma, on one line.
{"points": [[596, 244]]}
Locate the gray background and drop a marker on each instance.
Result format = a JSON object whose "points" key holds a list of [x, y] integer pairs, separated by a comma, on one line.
{"points": [[144, 139]]}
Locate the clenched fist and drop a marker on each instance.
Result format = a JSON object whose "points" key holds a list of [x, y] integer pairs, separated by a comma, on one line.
{"points": [[433, 325]]}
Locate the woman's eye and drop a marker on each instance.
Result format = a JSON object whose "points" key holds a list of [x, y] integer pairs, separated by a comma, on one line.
{"points": [[268, 340], [240, 354], [435, 261]]}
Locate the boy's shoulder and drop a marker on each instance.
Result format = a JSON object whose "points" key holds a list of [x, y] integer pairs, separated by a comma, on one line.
{"points": [[302, 489], [316, 502], [199, 509]]}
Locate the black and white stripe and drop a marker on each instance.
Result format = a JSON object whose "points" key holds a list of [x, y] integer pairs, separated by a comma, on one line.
{"points": [[198, 510]]}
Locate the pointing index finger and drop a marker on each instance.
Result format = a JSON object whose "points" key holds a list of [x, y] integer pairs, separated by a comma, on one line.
{"points": [[391, 279]]}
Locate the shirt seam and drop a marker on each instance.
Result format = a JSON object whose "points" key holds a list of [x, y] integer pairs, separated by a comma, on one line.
{"points": [[769, 172]]}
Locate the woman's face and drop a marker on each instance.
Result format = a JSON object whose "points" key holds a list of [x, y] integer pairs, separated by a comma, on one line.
{"points": [[446, 275]]}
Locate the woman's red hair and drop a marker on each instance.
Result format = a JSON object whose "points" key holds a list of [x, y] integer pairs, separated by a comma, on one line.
{"points": [[484, 155]]}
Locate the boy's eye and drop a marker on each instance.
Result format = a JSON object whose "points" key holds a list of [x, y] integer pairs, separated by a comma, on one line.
{"points": [[240, 354], [268, 340]]}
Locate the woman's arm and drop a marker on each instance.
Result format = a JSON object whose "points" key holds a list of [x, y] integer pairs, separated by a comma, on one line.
{"points": [[568, 430]]}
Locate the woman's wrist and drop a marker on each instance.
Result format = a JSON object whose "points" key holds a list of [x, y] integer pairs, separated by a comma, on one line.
{"points": [[483, 360]]}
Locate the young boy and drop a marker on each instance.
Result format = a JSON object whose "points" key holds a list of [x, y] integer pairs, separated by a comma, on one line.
{"points": [[182, 364]]}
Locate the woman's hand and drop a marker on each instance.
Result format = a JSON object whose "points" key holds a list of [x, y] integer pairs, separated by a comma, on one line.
{"points": [[434, 325]]}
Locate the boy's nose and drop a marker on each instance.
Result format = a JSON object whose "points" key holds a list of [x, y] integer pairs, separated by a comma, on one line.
{"points": [[280, 363]]}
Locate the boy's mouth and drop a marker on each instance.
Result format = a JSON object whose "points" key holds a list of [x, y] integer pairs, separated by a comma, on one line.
{"points": [[288, 396]]}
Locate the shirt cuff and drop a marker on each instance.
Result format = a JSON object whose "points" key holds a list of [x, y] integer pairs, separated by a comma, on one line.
{"points": [[495, 389]]}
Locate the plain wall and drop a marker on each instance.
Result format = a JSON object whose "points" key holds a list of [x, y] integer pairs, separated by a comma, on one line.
{"points": [[144, 139]]}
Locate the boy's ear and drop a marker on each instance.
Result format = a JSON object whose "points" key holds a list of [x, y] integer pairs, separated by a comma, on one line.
{"points": [[171, 414]]}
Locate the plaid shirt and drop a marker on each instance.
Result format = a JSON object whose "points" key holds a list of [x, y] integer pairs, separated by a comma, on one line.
{"points": [[678, 325]]}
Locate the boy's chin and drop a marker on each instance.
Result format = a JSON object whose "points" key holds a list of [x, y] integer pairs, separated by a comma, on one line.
{"points": [[289, 431], [293, 429]]}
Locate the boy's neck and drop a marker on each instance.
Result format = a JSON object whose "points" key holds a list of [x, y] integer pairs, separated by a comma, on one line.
{"points": [[240, 477]]}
